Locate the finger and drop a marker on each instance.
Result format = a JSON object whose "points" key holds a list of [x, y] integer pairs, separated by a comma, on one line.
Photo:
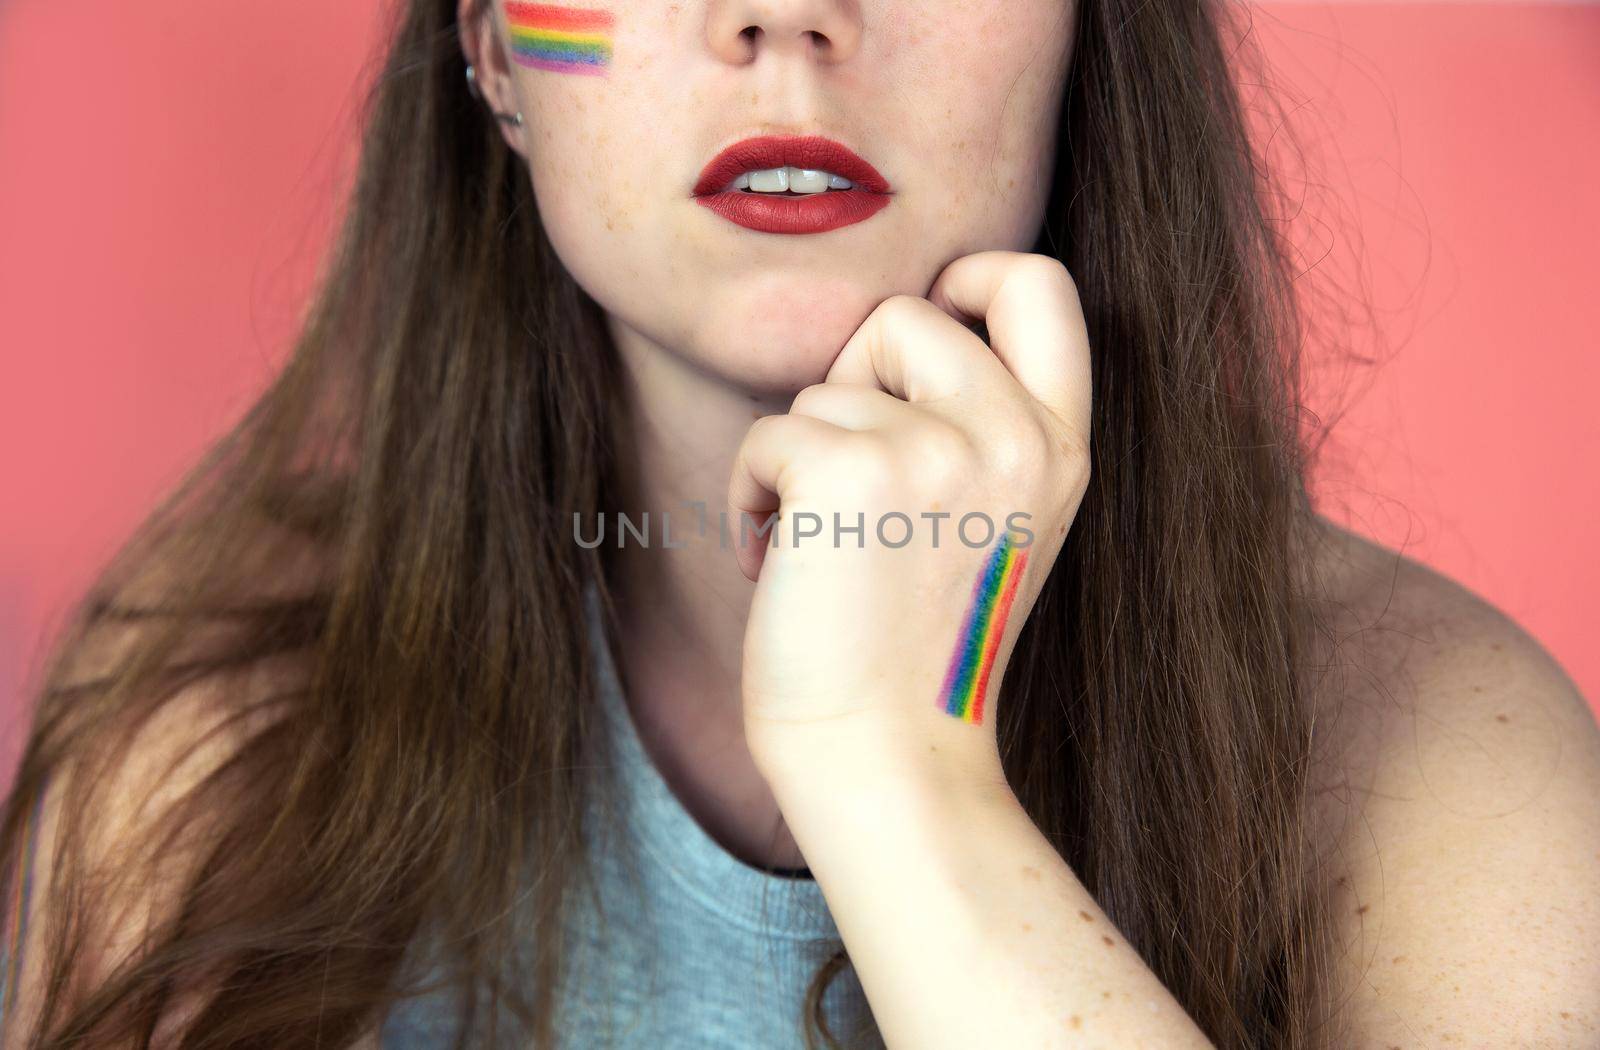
{"points": [[1029, 304], [763, 473], [851, 406], [914, 350]]}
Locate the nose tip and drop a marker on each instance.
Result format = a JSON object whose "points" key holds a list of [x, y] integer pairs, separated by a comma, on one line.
{"points": [[827, 30]]}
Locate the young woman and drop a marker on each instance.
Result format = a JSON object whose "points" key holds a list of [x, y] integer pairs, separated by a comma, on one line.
{"points": [[392, 729]]}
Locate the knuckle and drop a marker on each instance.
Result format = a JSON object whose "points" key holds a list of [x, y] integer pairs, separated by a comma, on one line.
{"points": [[1049, 268], [1049, 272], [1018, 446], [1078, 472], [1075, 464], [870, 460], [760, 430], [900, 306], [1076, 447], [945, 455], [808, 399]]}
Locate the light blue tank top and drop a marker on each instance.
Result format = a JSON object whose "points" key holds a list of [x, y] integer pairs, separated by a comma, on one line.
{"points": [[700, 950]]}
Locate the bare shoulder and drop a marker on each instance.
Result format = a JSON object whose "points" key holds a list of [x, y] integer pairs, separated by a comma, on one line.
{"points": [[1458, 806]]}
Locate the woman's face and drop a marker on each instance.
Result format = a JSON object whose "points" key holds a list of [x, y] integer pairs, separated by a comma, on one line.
{"points": [[953, 102]]}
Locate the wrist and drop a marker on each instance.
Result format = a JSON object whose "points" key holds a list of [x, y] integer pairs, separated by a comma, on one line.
{"points": [[879, 827], [930, 765]]}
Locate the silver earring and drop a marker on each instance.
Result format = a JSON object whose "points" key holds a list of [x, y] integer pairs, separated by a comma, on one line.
{"points": [[472, 86]]}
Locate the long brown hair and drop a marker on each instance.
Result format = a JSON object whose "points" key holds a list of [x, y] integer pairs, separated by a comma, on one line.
{"points": [[368, 598]]}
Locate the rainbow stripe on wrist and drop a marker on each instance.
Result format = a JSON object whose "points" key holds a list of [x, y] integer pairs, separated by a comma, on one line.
{"points": [[561, 39], [967, 680]]}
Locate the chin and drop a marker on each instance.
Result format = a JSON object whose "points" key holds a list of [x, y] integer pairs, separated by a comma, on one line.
{"points": [[783, 345], [783, 333]]}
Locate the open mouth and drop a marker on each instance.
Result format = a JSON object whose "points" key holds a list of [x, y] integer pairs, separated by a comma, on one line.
{"points": [[795, 182], [791, 184]]}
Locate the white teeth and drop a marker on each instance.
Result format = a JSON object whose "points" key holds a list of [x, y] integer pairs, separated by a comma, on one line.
{"points": [[805, 180], [796, 180], [770, 180]]}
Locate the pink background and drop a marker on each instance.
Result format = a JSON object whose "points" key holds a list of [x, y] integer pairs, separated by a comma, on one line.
{"points": [[167, 176]]}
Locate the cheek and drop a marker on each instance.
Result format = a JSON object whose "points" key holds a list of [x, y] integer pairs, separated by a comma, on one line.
{"points": [[576, 159], [595, 142], [995, 109], [591, 172], [605, 205]]}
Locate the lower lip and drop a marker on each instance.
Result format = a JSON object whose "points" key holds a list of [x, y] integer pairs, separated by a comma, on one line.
{"points": [[811, 213]]}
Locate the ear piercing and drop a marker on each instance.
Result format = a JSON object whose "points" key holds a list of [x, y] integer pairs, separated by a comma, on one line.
{"points": [[514, 119]]}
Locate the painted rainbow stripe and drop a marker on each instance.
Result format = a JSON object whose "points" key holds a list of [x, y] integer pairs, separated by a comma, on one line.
{"points": [[967, 680], [560, 39]]}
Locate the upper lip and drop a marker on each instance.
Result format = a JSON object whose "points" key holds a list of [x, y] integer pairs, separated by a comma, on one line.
{"points": [[815, 152]]}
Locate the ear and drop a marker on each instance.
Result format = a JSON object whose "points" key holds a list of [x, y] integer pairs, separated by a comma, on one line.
{"points": [[477, 25]]}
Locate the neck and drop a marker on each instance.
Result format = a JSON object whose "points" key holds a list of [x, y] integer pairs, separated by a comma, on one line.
{"points": [[682, 608]]}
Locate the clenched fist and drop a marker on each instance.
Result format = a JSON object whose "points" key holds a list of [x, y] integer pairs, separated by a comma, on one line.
{"points": [[899, 521]]}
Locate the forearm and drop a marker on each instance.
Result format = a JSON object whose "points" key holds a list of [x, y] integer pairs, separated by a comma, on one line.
{"points": [[965, 927]]}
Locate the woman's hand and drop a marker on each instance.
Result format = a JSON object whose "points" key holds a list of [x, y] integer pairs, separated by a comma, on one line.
{"points": [[880, 649]]}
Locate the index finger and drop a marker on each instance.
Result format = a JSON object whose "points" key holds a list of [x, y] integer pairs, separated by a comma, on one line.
{"points": [[1029, 303], [912, 349]]}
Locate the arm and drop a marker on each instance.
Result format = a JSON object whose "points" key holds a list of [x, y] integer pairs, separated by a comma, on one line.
{"points": [[963, 923], [1467, 888], [871, 668]]}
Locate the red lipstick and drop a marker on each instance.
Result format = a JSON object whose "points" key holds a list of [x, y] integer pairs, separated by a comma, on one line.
{"points": [[793, 213]]}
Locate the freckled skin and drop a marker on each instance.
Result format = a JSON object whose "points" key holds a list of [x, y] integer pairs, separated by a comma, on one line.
{"points": [[965, 134]]}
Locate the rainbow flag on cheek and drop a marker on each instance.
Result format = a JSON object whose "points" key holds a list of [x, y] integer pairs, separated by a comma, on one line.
{"points": [[561, 39], [967, 680]]}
